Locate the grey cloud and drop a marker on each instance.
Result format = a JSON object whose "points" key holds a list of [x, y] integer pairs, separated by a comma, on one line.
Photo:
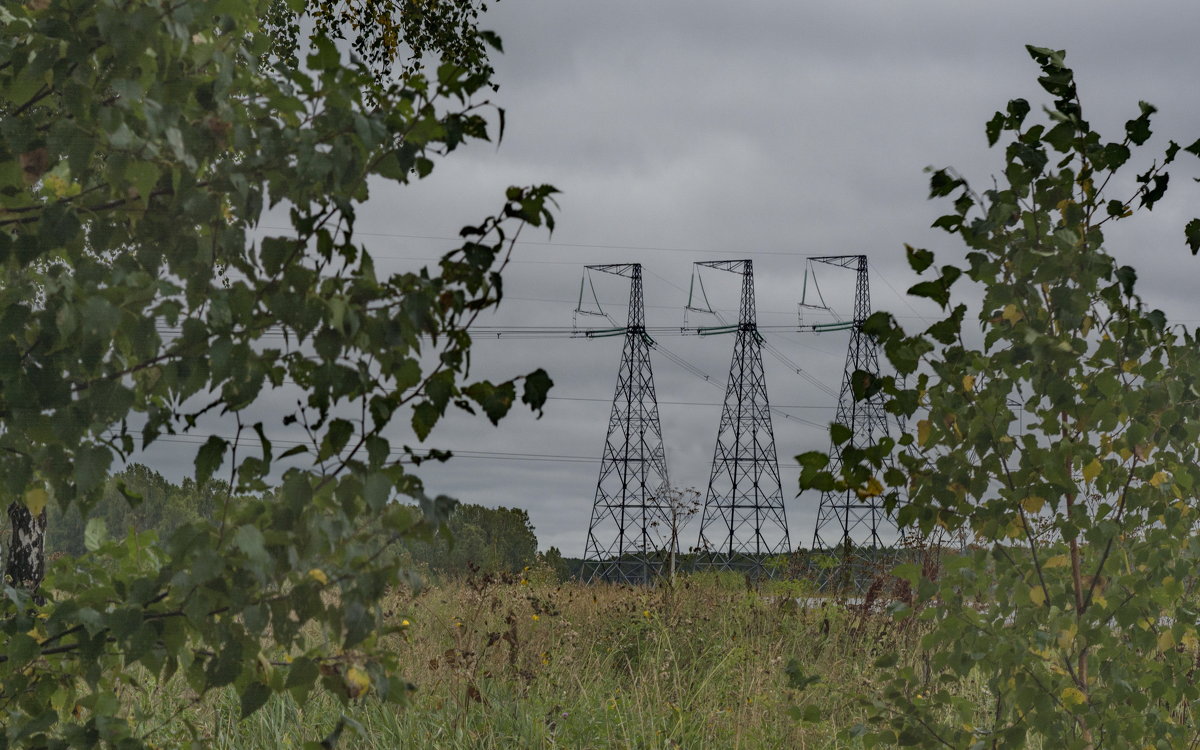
{"points": [[778, 127]]}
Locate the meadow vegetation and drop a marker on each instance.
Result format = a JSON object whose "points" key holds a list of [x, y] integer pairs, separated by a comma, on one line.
{"points": [[527, 661]]}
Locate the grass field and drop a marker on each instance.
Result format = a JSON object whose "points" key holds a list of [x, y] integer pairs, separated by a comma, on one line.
{"points": [[531, 663]]}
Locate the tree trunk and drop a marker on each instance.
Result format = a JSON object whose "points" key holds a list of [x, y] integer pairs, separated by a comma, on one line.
{"points": [[26, 563]]}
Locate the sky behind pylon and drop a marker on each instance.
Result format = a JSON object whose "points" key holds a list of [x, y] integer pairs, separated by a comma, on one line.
{"points": [[687, 131]]}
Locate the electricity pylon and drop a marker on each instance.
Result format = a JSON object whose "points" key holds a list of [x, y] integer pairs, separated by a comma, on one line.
{"points": [[629, 530], [849, 524], [743, 523]]}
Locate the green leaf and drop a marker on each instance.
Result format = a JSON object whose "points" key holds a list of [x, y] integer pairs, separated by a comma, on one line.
{"points": [[937, 290], [302, 675], [337, 435], [994, 126], [1128, 277], [1192, 234], [1061, 137], [144, 176], [941, 183], [324, 55], [376, 490], [425, 416], [813, 460], [253, 697], [252, 544], [1115, 155], [537, 386], [1138, 129], [95, 534], [20, 650], [934, 290], [210, 457], [947, 331], [496, 400], [91, 466], [865, 384], [887, 661], [840, 433], [910, 572], [918, 259]]}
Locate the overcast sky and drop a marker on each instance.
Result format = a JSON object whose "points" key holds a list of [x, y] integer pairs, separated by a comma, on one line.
{"points": [[685, 131]]}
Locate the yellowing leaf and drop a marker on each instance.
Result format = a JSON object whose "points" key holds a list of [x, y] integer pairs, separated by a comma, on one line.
{"points": [[357, 682], [1066, 637], [1086, 325], [1015, 529], [1166, 640], [35, 500], [1012, 314], [951, 422], [1037, 595], [1033, 504], [874, 488], [968, 383], [319, 576], [923, 428], [1189, 640], [1158, 478], [1057, 561], [1128, 365], [1092, 470], [1072, 697]]}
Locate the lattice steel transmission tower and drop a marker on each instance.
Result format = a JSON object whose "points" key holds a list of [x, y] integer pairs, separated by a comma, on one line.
{"points": [[848, 524], [743, 522], [629, 529]]}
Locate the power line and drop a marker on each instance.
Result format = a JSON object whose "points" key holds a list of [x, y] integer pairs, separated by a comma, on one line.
{"points": [[702, 375], [774, 352], [903, 297], [484, 332], [584, 245], [461, 454], [691, 403]]}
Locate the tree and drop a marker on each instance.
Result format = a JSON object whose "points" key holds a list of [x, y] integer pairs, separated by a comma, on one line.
{"points": [[1085, 635], [140, 142], [476, 537], [135, 500], [553, 560]]}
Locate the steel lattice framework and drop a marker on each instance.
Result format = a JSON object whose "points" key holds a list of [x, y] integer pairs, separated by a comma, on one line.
{"points": [[849, 525], [743, 522], [629, 529]]}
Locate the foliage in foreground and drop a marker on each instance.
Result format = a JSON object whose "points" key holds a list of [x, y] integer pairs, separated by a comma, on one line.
{"points": [[1065, 436], [140, 143]]}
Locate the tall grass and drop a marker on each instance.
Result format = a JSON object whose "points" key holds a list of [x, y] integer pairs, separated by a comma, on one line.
{"points": [[504, 663]]}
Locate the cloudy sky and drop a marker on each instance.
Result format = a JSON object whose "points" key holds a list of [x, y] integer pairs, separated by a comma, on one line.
{"points": [[686, 131]]}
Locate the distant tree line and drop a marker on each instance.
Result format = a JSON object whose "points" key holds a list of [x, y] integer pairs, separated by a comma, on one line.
{"points": [[480, 538], [140, 499]]}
